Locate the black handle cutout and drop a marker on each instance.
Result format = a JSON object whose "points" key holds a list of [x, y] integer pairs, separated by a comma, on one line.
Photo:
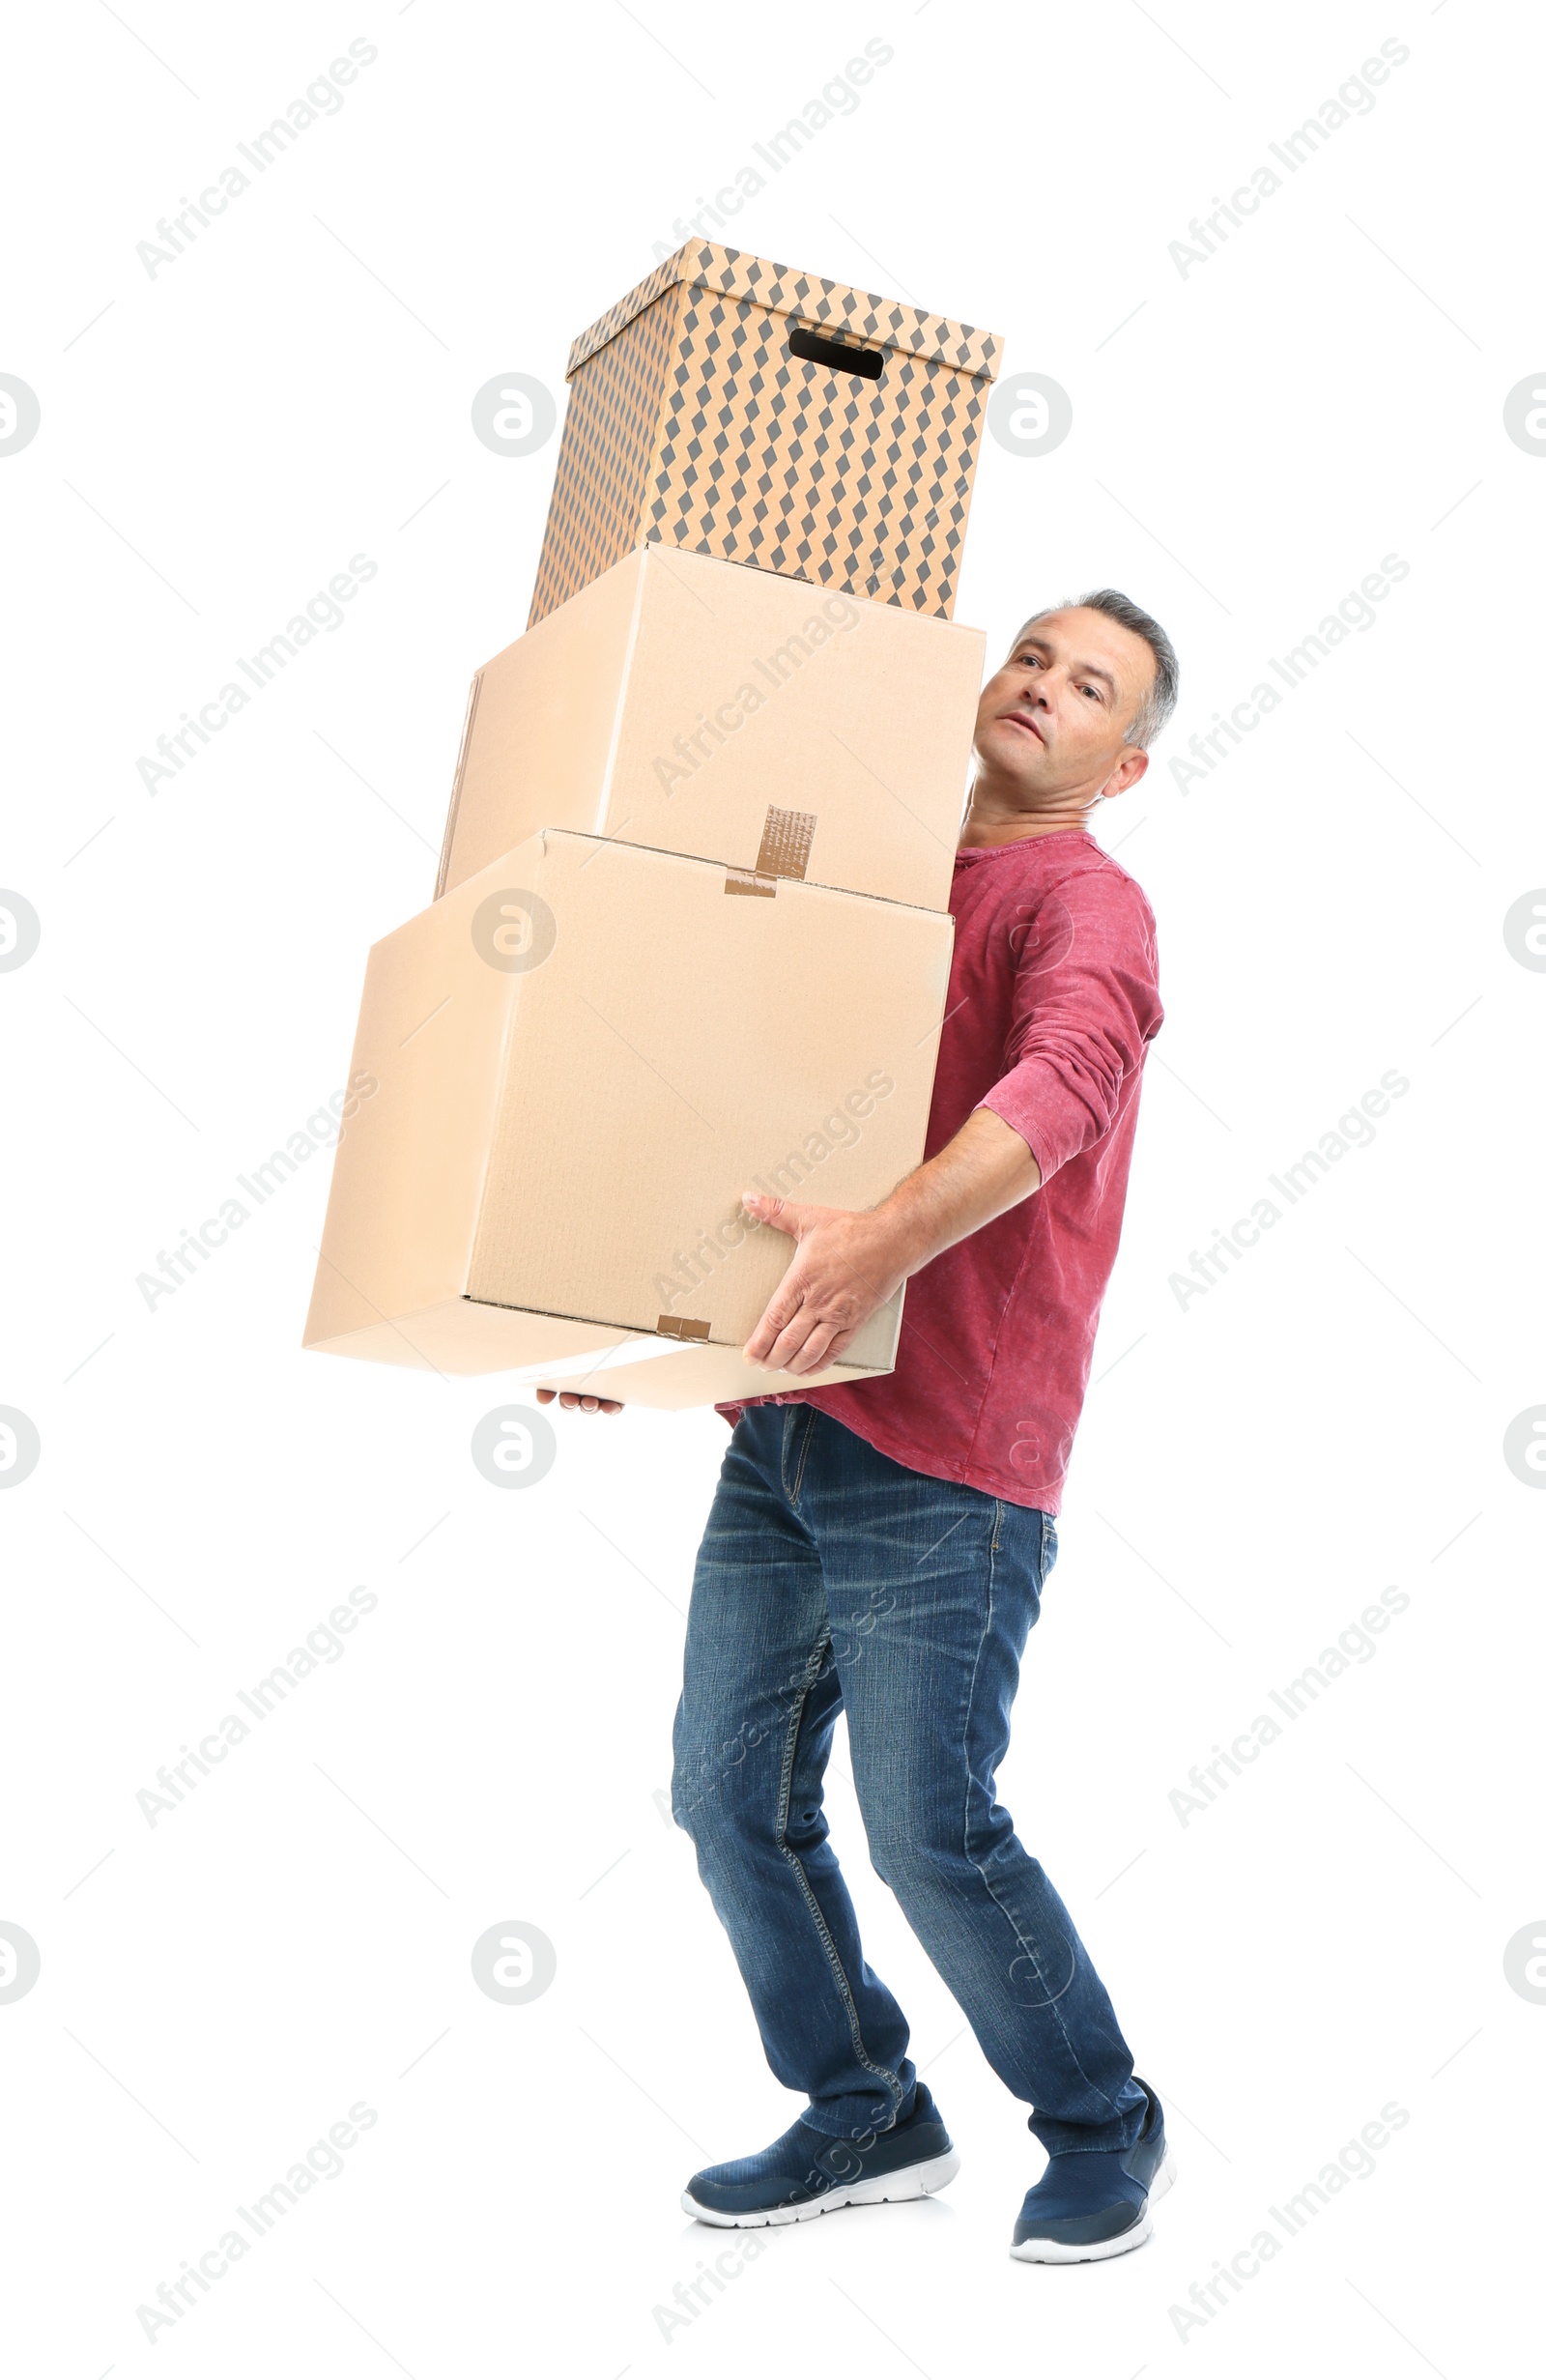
{"points": [[865, 362]]}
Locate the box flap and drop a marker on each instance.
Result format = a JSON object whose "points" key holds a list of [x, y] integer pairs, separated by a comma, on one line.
{"points": [[828, 306]]}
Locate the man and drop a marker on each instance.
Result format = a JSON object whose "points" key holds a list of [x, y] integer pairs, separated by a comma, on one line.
{"points": [[881, 1546]]}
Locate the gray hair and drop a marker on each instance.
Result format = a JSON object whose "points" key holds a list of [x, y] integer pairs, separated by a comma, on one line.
{"points": [[1159, 699]]}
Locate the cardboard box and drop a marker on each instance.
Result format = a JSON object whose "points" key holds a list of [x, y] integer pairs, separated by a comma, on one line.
{"points": [[729, 406], [676, 698], [580, 1058]]}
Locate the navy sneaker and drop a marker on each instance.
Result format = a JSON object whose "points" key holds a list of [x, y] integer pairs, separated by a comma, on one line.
{"points": [[1095, 2202], [809, 2172]]}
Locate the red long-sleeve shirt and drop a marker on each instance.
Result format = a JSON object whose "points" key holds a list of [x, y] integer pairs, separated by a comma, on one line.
{"points": [[1053, 1000]]}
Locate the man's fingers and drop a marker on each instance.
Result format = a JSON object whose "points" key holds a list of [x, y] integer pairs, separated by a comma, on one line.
{"points": [[779, 1311], [795, 1334], [571, 1401], [816, 1350], [781, 1213]]}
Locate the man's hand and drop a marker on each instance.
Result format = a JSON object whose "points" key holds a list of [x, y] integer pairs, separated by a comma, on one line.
{"points": [[574, 1400], [845, 1266]]}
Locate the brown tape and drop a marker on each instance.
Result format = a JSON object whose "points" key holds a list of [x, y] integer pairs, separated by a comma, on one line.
{"points": [[677, 1326], [742, 880], [787, 838]]}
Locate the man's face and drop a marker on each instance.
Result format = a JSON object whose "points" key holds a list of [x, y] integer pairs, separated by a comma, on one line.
{"points": [[1055, 719]]}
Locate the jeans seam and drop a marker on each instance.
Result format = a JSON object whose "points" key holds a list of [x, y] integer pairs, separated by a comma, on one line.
{"points": [[1028, 1948], [882, 2074], [805, 1449]]}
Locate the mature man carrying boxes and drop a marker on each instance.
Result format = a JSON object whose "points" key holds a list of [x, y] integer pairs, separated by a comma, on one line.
{"points": [[881, 1546], [710, 951]]}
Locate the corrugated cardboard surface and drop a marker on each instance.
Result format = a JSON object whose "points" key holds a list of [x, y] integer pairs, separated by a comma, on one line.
{"points": [[543, 722], [409, 1166], [692, 425], [571, 1140], [678, 1045], [678, 698]]}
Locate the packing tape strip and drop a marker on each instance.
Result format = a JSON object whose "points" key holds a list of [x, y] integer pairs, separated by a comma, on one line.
{"points": [[785, 851], [677, 1326], [787, 839]]}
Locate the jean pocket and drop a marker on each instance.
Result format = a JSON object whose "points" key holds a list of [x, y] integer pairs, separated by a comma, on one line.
{"points": [[1048, 1546]]}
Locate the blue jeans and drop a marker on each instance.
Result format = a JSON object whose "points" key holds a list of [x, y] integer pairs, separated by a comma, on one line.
{"points": [[832, 1578]]}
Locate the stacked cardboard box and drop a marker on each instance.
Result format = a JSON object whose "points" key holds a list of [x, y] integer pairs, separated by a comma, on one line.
{"points": [[690, 933]]}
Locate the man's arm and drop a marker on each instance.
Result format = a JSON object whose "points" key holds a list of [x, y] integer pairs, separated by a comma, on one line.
{"points": [[845, 1266]]}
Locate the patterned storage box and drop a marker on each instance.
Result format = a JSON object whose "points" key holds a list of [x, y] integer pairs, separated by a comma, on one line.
{"points": [[732, 407]]}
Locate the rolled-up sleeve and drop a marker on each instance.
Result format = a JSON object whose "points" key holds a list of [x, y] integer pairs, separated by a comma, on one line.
{"points": [[1086, 1005]]}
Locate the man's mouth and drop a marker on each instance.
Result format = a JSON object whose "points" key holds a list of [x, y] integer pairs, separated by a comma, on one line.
{"points": [[1023, 719]]}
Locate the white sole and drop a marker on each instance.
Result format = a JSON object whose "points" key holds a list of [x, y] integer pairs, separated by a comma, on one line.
{"points": [[907, 2182], [1060, 2252]]}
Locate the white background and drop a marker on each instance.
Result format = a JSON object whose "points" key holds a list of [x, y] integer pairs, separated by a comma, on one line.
{"points": [[1250, 438]]}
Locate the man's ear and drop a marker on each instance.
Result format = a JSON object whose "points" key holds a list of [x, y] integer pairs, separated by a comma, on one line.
{"points": [[1132, 764]]}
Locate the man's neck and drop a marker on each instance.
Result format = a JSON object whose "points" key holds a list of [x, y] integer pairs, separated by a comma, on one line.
{"points": [[992, 818]]}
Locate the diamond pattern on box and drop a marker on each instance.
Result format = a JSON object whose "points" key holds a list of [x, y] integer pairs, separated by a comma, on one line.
{"points": [[827, 305], [759, 456], [609, 436]]}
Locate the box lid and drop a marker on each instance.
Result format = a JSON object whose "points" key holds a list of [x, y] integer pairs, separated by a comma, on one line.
{"points": [[829, 306]]}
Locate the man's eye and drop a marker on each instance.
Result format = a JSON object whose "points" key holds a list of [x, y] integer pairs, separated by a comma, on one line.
{"points": [[1094, 689]]}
